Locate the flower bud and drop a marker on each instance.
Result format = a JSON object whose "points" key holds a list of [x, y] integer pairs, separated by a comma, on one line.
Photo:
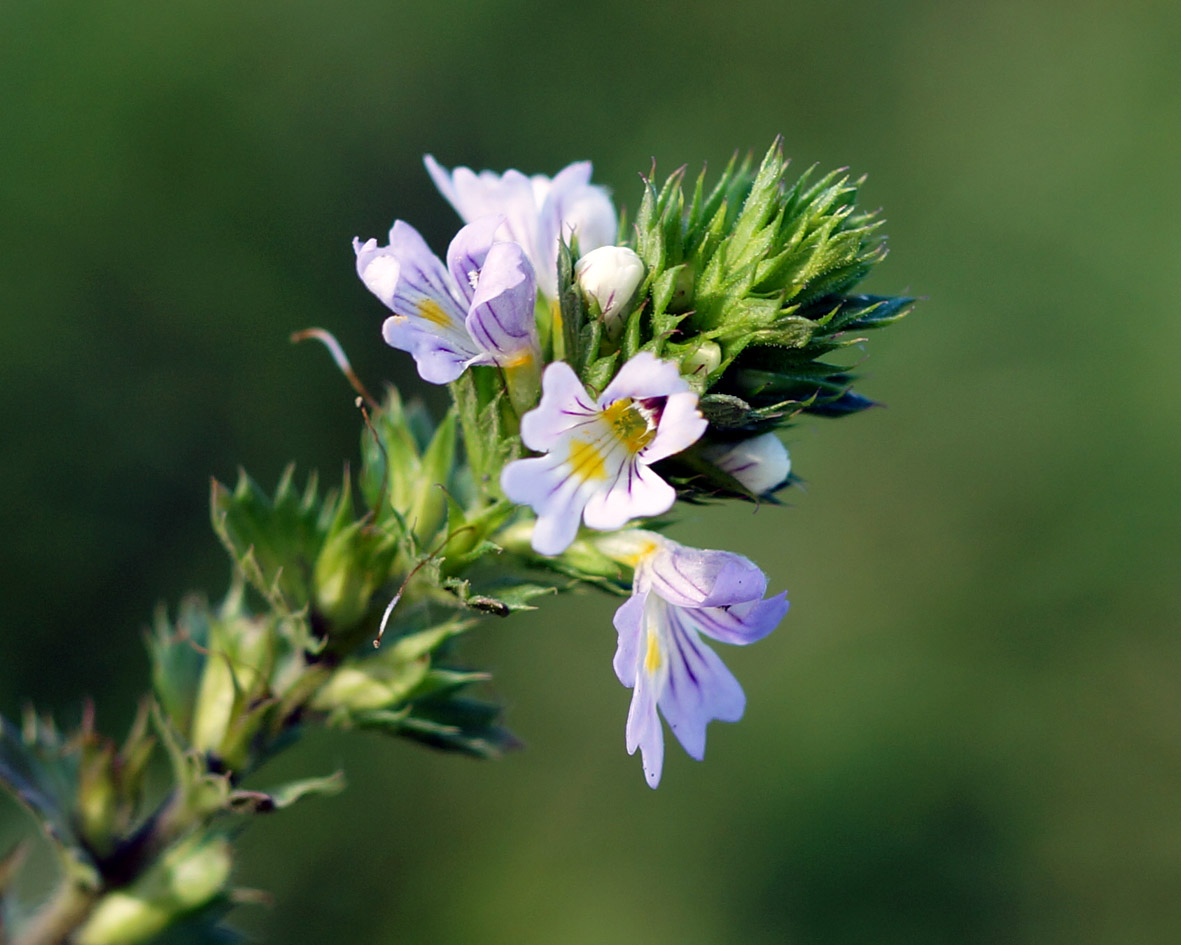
{"points": [[760, 463], [702, 361], [609, 277]]}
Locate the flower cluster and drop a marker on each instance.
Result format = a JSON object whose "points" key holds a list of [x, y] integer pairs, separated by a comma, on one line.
{"points": [[599, 378]]}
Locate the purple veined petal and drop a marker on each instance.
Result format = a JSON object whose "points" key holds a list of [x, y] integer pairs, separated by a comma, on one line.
{"points": [[545, 484], [422, 276], [681, 425], [629, 623], [644, 376], [501, 319], [694, 577], [635, 492], [564, 405], [699, 689], [738, 624], [440, 359], [467, 252], [412, 282]]}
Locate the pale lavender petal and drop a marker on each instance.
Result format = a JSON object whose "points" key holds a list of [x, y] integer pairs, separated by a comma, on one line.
{"points": [[681, 425], [439, 359], [634, 492], [564, 405], [501, 319], [575, 207], [466, 254], [694, 577], [442, 179], [478, 195], [422, 276], [643, 730], [378, 269], [644, 376], [629, 622], [545, 484], [699, 689], [739, 624]]}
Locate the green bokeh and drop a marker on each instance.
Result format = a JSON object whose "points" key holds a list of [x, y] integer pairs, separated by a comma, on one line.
{"points": [[966, 730]]}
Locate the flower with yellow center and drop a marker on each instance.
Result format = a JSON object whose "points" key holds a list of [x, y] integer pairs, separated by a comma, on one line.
{"points": [[598, 450], [476, 309]]}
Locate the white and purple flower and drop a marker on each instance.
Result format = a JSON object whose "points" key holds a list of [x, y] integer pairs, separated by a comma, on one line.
{"points": [[538, 211], [599, 450], [478, 309], [678, 595]]}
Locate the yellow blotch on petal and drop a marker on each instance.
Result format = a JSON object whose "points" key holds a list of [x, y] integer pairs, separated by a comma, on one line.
{"points": [[523, 359], [642, 553], [652, 658], [430, 310], [586, 462]]}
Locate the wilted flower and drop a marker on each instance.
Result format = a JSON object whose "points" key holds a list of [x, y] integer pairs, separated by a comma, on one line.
{"points": [[610, 275], [538, 212], [599, 450], [678, 594], [760, 463], [478, 309]]}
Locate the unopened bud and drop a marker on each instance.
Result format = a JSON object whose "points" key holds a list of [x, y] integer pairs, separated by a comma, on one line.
{"points": [[702, 361], [609, 277], [760, 463]]}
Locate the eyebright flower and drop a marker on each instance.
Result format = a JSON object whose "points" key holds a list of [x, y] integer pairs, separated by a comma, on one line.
{"points": [[678, 594], [538, 212], [760, 463], [478, 309], [599, 449], [610, 275]]}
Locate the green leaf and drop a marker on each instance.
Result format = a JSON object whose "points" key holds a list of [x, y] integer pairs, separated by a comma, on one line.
{"points": [[285, 795]]}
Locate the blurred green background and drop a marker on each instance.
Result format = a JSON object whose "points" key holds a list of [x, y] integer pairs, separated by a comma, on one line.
{"points": [[967, 730]]}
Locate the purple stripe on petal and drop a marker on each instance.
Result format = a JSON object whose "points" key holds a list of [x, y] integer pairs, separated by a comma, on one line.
{"points": [[501, 317]]}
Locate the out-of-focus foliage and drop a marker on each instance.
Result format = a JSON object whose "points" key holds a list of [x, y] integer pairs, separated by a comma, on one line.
{"points": [[965, 729]]}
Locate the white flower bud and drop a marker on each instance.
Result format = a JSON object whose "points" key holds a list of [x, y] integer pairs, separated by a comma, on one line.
{"points": [[760, 463], [702, 361], [610, 276]]}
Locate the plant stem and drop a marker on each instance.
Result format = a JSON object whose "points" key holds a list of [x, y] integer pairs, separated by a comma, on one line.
{"points": [[60, 917]]}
